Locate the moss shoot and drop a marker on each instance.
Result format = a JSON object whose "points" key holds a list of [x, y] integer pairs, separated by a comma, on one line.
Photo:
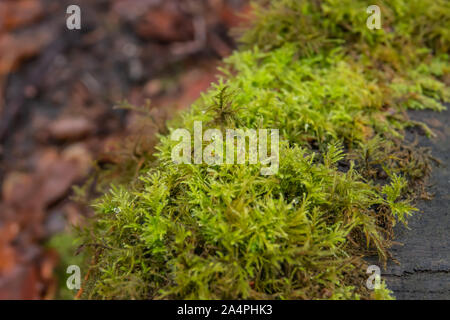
{"points": [[338, 93]]}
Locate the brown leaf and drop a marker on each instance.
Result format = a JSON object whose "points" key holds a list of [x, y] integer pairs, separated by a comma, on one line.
{"points": [[22, 283], [70, 129], [54, 177], [8, 256], [233, 18], [17, 187], [163, 24]]}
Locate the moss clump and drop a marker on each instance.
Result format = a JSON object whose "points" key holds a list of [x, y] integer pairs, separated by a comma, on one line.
{"points": [[337, 92]]}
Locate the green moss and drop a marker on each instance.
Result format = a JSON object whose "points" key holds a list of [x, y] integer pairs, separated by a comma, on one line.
{"points": [[337, 91]]}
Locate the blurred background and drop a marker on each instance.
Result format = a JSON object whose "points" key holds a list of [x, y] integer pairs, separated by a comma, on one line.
{"points": [[58, 121]]}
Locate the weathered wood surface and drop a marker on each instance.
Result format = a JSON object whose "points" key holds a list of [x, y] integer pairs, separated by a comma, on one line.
{"points": [[424, 270]]}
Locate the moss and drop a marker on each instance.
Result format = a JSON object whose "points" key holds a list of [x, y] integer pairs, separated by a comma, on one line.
{"points": [[338, 94], [66, 244]]}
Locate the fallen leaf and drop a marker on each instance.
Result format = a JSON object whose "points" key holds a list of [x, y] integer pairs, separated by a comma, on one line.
{"points": [[8, 256], [16, 187], [54, 177], [79, 156], [17, 48], [163, 24], [22, 283]]}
